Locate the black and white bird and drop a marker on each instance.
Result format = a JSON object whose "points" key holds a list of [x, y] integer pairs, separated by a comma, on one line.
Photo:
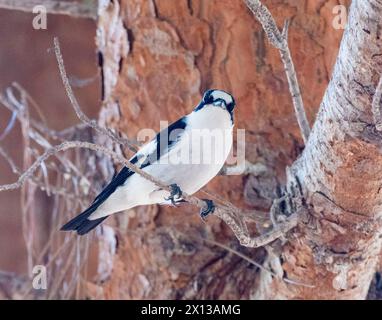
{"points": [[185, 156]]}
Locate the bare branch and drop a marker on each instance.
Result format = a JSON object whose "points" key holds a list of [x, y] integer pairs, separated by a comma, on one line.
{"points": [[14, 108], [262, 240], [377, 106], [42, 185], [224, 213], [280, 41], [9, 126], [74, 9], [277, 232], [255, 169], [264, 16], [33, 103], [42, 128], [13, 105], [91, 123]]}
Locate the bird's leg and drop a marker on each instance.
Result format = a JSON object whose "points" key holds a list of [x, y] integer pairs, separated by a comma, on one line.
{"points": [[175, 192], [210, 208]]}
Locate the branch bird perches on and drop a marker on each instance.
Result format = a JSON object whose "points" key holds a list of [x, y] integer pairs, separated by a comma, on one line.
{"points": [[224, 213]]}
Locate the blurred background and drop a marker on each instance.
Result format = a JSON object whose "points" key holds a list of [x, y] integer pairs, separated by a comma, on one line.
{"points": [[27, 57]]}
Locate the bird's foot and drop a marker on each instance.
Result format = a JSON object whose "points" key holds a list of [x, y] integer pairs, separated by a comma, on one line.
{"points": [[175, 192], [210, 208]]}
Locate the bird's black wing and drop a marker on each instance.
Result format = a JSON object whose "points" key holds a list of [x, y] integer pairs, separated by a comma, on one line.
{"points": [[150, 153], [164, 141]]}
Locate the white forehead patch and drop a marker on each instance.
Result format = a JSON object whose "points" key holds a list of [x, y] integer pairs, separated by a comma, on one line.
{"points": [[218, 94]]}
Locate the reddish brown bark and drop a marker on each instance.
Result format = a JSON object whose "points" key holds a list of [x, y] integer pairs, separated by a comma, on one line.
{"points": [[174, 51]]}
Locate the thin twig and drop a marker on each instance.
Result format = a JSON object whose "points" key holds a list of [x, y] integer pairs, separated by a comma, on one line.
{"points": [[280, 41], [9, 126], [63, 272], [34, 123], [377, 106], [56, 191], [255, 169], [73, 9], [34, 104], [28, 190], [91, 123], [267, 21], [15, 106]]}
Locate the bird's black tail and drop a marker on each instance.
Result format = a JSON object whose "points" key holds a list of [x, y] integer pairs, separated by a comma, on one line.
{"points": [[81, 223]]}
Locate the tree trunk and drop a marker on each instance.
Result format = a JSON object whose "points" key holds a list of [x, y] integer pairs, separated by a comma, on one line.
{"points": [[157, 57], [337, 247]]}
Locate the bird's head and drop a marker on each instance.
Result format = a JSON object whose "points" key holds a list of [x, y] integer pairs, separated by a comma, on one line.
{"points": [[217, 98]]}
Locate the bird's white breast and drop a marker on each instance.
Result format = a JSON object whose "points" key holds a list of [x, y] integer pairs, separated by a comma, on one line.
{"points": [[191, 162], [200, 153]]}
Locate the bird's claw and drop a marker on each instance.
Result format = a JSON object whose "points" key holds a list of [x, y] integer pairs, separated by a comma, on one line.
{"points": [[210, 208], [175, 192]]}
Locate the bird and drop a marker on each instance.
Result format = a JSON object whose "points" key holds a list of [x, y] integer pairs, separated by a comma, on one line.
{"points": [[179, 156]]}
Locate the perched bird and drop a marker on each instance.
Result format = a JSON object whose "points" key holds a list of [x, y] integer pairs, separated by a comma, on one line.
{"points": [[185, 156]]}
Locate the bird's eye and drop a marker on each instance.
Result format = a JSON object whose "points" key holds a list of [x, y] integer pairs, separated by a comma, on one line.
{"points": [[219, 102]]}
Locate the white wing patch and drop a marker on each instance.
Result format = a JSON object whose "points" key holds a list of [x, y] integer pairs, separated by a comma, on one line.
{"points": [[145, 151]]}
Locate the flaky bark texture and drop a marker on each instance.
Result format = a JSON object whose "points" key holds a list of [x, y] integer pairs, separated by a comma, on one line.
{"points": [[157, 57], [337, 247]]}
